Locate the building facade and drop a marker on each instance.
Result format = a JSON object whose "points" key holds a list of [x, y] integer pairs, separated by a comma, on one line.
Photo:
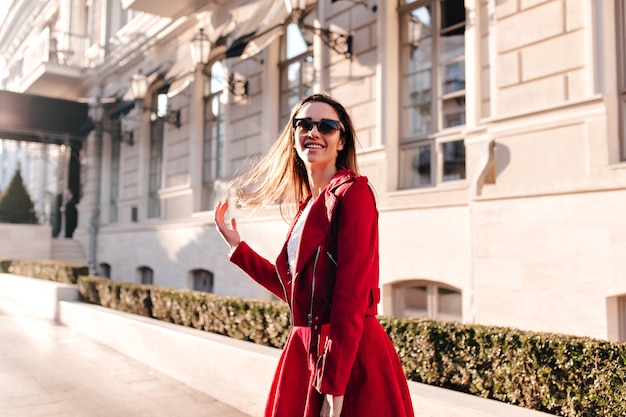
{"points": [[492, 132]]}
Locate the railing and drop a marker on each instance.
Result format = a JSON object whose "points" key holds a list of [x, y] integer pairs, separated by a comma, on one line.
{"points": [[62, 48]]}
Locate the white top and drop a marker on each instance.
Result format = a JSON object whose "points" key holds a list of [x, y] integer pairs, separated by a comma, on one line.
{"points": [[296, 234]]}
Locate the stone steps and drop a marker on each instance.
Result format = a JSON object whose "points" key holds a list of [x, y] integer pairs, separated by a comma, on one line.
{"points": [[67, 250]]}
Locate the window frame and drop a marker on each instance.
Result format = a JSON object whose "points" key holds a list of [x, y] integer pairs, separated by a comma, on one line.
{"points": [[114, 184], [621, 317], [146, 275], [306, 60], [155, 160], [432, 300], [620, 22], [195, 275], [213, 165], [438, 135], [104, 270]]}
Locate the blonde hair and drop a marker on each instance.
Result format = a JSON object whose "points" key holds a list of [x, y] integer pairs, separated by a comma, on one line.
{"points": [[280, 177]]}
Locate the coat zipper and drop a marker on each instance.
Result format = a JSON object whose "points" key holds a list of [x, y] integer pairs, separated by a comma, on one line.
{"points": [[280, 281], [331, 258], [317, 255]]}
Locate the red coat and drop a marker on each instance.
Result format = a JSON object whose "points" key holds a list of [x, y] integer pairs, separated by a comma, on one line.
{"points": [[336, 282]]}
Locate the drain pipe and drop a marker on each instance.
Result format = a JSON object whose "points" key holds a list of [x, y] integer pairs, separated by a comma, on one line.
{"points": [[94, 221]]}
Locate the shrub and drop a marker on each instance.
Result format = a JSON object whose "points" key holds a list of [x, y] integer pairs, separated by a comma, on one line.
{"points": [[559, 374], [15, 203], [4, 265], [48, 270], [564, 375], [262, 322]]}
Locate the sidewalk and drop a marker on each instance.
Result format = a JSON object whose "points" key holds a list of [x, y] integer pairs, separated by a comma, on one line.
{"points": [[101, 362], [50, 370]]}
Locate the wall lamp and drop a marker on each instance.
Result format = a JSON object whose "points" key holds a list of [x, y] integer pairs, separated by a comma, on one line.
{"points": [[338, 42], [139, 89], [200, 48]]}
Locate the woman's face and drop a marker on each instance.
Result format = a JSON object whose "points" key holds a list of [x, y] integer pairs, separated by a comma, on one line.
{"points": [[318, 137]]}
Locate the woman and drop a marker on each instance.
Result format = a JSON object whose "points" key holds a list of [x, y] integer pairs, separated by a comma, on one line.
{"points": [[338, 360]]}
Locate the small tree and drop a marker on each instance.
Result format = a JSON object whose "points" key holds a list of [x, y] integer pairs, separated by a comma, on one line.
{"points": [[15, 203]]}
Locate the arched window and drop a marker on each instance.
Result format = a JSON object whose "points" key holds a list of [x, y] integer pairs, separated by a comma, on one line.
{"points": [[104, 270], [427, 299], [201, 280], [146, 275]]}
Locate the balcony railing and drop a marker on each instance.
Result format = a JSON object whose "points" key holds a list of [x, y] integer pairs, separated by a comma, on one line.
{"points": [[61, 48]]}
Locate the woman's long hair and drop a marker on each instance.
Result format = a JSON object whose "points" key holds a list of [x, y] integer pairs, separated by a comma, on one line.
{"points": [[280, 177]]}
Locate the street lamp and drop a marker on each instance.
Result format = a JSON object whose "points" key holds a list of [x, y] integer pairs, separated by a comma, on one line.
{"points": [[200, 48], [296, 8], [139, 89], [139, 85]]}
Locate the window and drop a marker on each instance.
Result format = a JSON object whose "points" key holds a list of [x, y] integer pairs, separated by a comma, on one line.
{"points": [[621, 44], [297, 74], [432, 149], [118, 17], [426, 299], [159, 109], [104, 270], [621, 314], [116, 140], [202, 280], [214, 133], [146, 275]]}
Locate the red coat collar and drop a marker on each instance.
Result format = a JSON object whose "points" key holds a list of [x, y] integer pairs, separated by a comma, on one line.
{"points": [[318, 223]]}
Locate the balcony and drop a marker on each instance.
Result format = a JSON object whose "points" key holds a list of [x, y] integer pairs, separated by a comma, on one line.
{"points": [[53, 64], [171, 9]]}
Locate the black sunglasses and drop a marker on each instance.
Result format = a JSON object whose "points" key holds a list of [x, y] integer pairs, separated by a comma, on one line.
{"points": [[324, 126]]}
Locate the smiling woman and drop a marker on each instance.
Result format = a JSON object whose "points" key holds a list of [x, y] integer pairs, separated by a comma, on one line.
{"points": [[338, 360]]}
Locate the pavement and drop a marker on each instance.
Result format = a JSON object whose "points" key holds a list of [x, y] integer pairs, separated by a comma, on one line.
{"points": [[50, 370]]}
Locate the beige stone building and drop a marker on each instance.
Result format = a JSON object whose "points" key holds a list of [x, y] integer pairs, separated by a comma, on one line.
{"points": [[492, 131]]}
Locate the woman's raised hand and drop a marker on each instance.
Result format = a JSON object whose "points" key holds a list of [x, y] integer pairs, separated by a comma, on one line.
{"points": [[230, 234]]}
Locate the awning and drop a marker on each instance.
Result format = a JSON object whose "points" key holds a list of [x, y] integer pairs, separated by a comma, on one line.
{"points": [[121, 109], [42, 119], [256, 26], [181, 74]]}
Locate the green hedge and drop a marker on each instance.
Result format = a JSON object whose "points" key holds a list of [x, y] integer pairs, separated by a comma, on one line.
{"points": [[562, 375], [48, 270], [262, 322], [558, 374], [4, 265]]}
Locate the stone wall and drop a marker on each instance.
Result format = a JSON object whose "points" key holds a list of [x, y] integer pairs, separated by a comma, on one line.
{"points": [[25, 241]]}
